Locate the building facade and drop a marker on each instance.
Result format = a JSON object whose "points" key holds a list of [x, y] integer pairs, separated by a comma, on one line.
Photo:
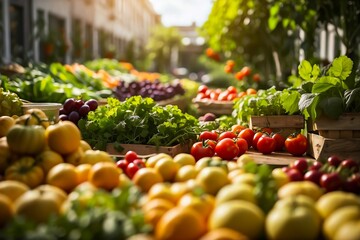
{"points": [[73, 30]]}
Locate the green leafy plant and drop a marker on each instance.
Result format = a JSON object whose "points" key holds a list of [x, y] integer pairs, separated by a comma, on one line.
{"points": [[267, 102], [138, 121], [330, 91]]}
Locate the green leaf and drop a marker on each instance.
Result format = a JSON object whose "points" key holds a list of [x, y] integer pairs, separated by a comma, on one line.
{"points": [[315, 72], [305, 70], [325, 83], [273, 22], [341, 67], [290, 101]]}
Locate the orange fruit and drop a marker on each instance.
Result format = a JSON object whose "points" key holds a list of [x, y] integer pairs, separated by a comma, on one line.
{"points": [[13, 189], [158, 203], [185, 173], [63, 137], [83, 172], [203, 204], [105, 175], [6, 210], [48, 159], [180, 223], [251, 91], [84, 145], [223, 234], [145, 178], [64, 176], [163, 191], [167, 168], [212, 179], [75, 158]]}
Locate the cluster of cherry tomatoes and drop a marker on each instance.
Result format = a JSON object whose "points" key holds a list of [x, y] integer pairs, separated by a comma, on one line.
{"points": [[231, 144], [334, 174], [131, 163], [240, 75], [229, 94]]}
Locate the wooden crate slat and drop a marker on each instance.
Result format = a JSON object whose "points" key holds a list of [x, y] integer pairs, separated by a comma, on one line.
{"points": [[321, 148], [349, 121], [278, 121]]}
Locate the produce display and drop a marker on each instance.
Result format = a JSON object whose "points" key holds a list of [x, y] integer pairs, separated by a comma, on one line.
{"points": [[57, 180], [137, 121]]}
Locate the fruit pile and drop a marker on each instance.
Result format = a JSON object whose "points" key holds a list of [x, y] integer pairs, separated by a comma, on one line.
{"points": [[334, 174], [146, 88], [231, 144], [75, 109], [229, 94]]}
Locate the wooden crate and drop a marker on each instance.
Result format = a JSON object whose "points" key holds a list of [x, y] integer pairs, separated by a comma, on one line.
{"points": [[212, 106], [321, 147], [346, 127], [284, 124], [180, 101], [146, 150]]}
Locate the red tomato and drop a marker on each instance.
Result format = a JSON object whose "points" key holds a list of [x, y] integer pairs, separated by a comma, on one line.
{"points": [[202, 89], [230, 63], [267, 130], [296, 145], [200, 96], [130, 156], [266, 144], [227, 134], [202, 149], [228, 69], [122, 164], [246, 71], [237, 128], [256, 137], [239, 75], [134, 166], [256, 77], [231, 96], [280, 141], [242, 145], [214, 95], [231, 89], [208, 135], [227, 149], [223, 96], [248, 135]]}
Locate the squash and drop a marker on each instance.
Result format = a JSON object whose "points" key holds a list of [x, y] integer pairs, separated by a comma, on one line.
{"points": [[27, 140], [33, 117], [26, 171]]}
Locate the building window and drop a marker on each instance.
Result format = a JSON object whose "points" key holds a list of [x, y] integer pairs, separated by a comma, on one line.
{"points": [[16, 32], [76, 37], [88, 42]]}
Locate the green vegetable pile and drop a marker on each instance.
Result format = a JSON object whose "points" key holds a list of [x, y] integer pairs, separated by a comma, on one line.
{"points": [[104, 215], [137, 121], [266, 102], [53, 83]]}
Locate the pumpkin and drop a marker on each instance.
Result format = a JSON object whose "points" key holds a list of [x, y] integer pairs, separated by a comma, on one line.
{"points": [[27, 140], [26, 171], [33, 117]]}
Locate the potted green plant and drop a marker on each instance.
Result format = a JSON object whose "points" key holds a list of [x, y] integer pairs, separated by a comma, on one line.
{"points": [[330, 98]]}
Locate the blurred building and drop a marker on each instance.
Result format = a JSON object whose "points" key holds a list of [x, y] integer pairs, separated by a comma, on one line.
{"points": [[74, 30]]}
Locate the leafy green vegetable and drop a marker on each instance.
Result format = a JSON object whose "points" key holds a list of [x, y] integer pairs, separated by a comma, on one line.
{"points": [[327, 92], [265, 103], [138, 121]]}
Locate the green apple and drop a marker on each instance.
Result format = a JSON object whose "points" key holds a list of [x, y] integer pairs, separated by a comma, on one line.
{"points": [[338, 218], [293, 217], [332, 201], [349, 231]]}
